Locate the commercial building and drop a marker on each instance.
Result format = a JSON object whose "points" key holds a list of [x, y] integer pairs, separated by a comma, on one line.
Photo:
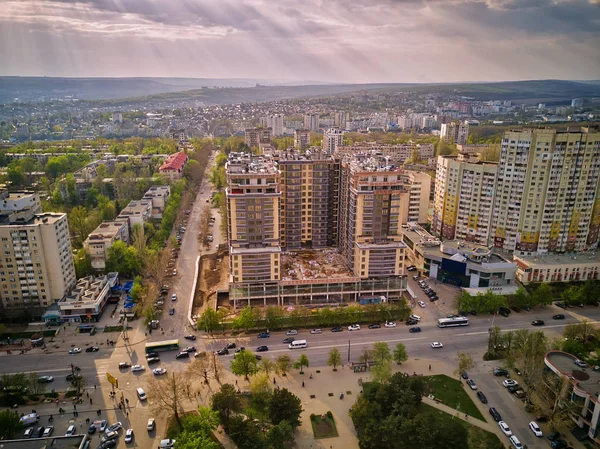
{"points": [[88, 299], [558, 267], [455, 132], [311, 122], [159, 195], [54, 442], [463, 199], [172, 168], [36, 262], [546, 198], [581, 391], [137, 212], [332, 139], [255, 136], [301, 139], [103, 238]]}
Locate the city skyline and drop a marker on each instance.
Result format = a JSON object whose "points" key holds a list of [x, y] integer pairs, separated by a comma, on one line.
{"points": [[337, 41]]}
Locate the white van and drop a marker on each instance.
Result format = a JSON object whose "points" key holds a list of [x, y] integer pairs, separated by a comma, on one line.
{"points": [[296, 344], [141, 394], [515, 442]]}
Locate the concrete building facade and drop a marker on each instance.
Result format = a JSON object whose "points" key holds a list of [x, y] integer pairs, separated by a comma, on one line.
{"points": [[333, 138], [311, 122], [455, 132], [253, 137], [301, 139], [103, 238]]}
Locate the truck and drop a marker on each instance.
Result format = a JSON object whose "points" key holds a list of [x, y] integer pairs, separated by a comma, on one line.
{"points": [[30, 419]]}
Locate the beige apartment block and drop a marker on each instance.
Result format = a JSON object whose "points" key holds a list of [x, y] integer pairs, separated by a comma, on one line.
{"points": [[463, 199], [301, 139], [103, 238], [558, 267], [36, 262], [546, 198]]}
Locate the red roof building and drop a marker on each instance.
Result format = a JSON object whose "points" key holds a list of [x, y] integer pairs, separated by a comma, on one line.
{"points": [[173, 165]]}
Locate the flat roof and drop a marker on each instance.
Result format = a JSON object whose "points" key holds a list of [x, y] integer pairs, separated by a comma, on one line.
{"points": [[585, 378], [560, 259]]}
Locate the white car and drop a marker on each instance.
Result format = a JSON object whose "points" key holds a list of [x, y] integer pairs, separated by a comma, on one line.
{"points": [[159, 371], [292, 332], [535, 429], [414, 317], [354, 327], [472, 385], [316, 331], [504, 428], [74, 350], [70, 430], [129, 436], [136, 368], [390, 324], [510, 383], [48, 431], [580, 363], [174, 296], [151, 424], [436, 344], [421, 303], [45, 379], [114, 427]]}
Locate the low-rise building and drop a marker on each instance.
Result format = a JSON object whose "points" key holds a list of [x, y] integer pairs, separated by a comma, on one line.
{"points": [[103, 238], [88, 299], [159, 195], [172, 168], [137, 212], [557, 267], [582, 390], [19, 200]]}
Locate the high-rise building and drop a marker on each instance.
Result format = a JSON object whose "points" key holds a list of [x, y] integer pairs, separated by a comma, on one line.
{"points": [[339, 119], [117, 117], [369, 216], [253, 137], [463, 199], [577, 103], [332, 139], [275, 122], [301, 139], [547, 192], [253, 200], [455, 132], [419, 190], [37, 262], [311, 122]]}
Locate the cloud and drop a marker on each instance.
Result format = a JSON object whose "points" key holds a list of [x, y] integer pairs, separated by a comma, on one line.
{"points": [[334, 40]]}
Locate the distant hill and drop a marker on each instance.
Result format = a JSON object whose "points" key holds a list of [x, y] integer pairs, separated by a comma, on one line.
{"points": [[163, 91]]}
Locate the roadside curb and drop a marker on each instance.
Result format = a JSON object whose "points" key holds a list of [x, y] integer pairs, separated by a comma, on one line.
{"points": [[193, 293]]}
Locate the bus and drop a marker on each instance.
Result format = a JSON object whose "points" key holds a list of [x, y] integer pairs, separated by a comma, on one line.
{"points": [[452, 322], [159, 346]]}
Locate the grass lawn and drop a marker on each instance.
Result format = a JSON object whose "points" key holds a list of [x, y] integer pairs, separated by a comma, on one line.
{"points": [[478, 438], [451, 393], [323, 426]]}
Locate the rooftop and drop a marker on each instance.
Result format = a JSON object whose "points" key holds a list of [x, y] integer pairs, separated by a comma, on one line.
{"points": [[370, 161], [585, 378], [175, 161], [246, 163], [26, 217], [107, 230], [560, 259], [312, 264]]}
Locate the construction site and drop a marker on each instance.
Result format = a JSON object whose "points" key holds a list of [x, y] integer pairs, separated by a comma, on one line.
{"points": [[312, 264]]}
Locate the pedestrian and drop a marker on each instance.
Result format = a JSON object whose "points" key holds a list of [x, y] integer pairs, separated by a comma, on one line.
{"points": [[90, 401], [274, 381], [94, 386], [302, 384], [80, 423], [236, 381], [466, 416], [127, 401], [87, 394], [429, 367], [127, 415], [74, 406]]}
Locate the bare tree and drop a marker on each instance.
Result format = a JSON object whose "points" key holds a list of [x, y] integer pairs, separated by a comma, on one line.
{"points": [[33, 383], [465, 362], [169, 394]]}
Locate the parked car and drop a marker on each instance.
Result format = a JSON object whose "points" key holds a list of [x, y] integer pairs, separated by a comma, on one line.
{"points": [[374, 326], [559, 316], [288, 340], [71, 430], [240, 349], [510, 383], [535, 429], [171, 311], [436, 344], [410, 322], [472, 385], [262, 349], [159, 371], [264, 335], [189, 349], [222, 352], [315, 331], [38, 432], [153, 360], [495, 414], [337, 329], [129, 436], [190, 337], [390, 324], [292, 332], [108, 444], [482, 397], [513, 389], [464, 375], [421, 303], [559, 444], [354, 327], [434, 298], [553, 436], [28, 432], [230, 346], [537, 323], [560, 304], [45, 379], [114, 427], [92, 349], [151, 424], [174, 296], [182, 355], [414, 329], [500, 372], [137, 368]]}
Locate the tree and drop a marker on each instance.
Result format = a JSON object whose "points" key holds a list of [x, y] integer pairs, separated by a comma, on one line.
{"points": [[572, 295], [521, 299], [245, 320], [528, 351], [9, 424], [169, 393], [365, 356], [79, 224], [285, 406], [543, 294], [261, 389], [78, 382], [200, 367], [244, 364], [226, 402], [274, 317], [335, 358], [123, 259], [382, 371], [267, 366], [495, 343], [400, 355], [279, 435], [381, 352], [209, 320], [284, 364], [83, 264], [465, 362], [301, 363], [35, 386]]}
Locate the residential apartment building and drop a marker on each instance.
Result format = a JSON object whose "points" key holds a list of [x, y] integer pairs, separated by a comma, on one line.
{"points": [[340, 119], [172, 167], [455, 132], [255, 136], [546, 198], [137, 212], [19, 200], [275, 122], [398, 153], [103, 238], [558, 267], [36, 263], [419, 190], [253, 201], [311, 122], [463, 199], [332, 139], [301, 139], [159, 195], [369, 216]]}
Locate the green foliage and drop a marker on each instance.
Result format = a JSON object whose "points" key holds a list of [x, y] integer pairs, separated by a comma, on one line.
{"points": [[285, 406], [301, 363], [123, 259], [543, 294], [279, 435], [465, 362], [137, 290], [209, 321], [283, 364], [452, 393], [244, 364], [226, 402], [245, 320], [9, 424], [486, 302], [335, 358], [400, 355], [83, 264]]}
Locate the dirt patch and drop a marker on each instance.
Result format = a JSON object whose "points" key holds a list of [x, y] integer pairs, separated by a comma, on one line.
{"points": [[213, 275]]}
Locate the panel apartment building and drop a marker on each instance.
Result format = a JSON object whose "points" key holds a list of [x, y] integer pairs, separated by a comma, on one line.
{"points": [[292, 256], [36, 262]]}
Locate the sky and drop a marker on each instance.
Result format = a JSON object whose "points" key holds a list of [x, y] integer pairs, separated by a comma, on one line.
{"points": [[345, 41]]}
